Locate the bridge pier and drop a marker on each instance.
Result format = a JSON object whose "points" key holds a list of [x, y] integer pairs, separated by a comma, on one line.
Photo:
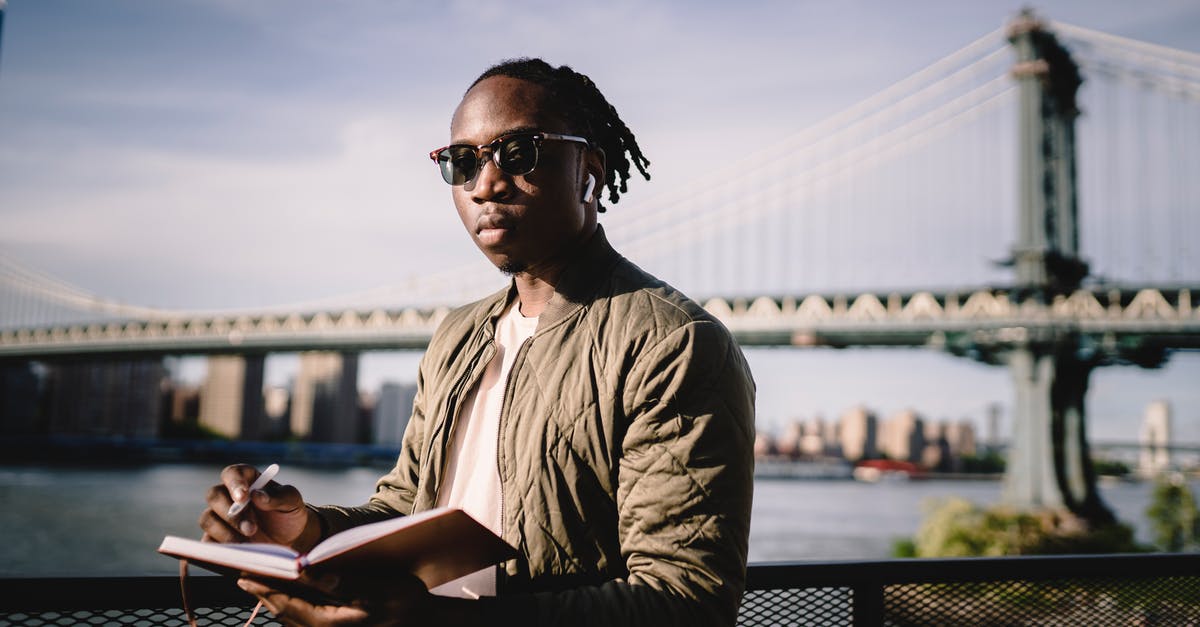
{"points": [[1049, 465]]}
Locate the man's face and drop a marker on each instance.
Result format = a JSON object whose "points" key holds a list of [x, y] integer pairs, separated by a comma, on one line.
{"points": [[528, 222]]}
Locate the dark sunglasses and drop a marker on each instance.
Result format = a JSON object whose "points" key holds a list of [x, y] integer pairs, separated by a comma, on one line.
{"points": [[515, 154]]}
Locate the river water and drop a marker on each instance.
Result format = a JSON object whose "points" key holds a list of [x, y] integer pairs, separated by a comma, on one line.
{"points": [[108, 521]]}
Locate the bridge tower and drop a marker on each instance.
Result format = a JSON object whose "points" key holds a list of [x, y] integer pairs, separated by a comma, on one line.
{"points": [[1049, 464]]}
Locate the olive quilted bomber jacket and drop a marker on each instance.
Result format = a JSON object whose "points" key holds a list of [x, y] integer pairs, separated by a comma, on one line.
{"points": [[625, 451]]}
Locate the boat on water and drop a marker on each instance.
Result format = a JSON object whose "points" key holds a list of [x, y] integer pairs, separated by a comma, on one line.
{"points": [[876, 470]]}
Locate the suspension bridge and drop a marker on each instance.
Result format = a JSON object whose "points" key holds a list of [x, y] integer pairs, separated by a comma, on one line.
{"points": [[1028, 200]]}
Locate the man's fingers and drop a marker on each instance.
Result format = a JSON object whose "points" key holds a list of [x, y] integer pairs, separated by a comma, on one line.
{"points": [[274, 600], [237, 479], [277, 498], [216, 529], [219, 501], [218, 498], [296, 611]]}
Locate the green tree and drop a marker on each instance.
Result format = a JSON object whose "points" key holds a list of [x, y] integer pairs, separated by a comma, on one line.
{"points": [[955, 527], [1173, 515]]}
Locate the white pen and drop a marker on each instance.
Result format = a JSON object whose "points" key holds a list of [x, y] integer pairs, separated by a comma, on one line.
{"points": [[258, 484]]}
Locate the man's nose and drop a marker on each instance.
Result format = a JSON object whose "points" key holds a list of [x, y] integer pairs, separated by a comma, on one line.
{"points": [[491, 183]]}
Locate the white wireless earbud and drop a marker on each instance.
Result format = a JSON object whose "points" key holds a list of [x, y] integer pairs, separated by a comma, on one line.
{"points": [[587, 191]]}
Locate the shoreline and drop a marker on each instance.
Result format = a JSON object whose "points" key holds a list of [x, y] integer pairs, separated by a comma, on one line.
{"points": [[82, 451], [87, 451]]}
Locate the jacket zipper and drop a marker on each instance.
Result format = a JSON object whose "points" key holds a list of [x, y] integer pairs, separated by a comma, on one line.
{"points": [[504, 405], [451, 416]]}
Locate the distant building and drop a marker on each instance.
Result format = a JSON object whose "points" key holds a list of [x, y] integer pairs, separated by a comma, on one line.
{"points": [[1154, 437], [106, 399], [764, 445], [936, 454], [829, 435], [231, 399], [365, 418], [325, 398], [277, 404], [182, 404], [993, 426], [902, 437], [392, 411], [812, 438], [961, 437], [788, 442], [858, 434]]}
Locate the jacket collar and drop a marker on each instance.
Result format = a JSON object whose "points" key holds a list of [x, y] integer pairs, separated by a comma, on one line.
{"points": [[587, 269], [582, 278]]}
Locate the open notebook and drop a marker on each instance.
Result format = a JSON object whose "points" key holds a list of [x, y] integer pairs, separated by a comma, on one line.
{"points": [[437, 546]]}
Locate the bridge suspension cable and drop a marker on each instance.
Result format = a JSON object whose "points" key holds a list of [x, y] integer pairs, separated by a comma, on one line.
{"points": [[860, 120], [1139, 145], [852, 161], [34, 297], [1170, 60]]}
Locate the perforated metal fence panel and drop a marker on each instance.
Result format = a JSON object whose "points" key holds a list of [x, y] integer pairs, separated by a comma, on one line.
{"points": [[798, 606], [1173, 601], [1143, 590], [166, 617]]}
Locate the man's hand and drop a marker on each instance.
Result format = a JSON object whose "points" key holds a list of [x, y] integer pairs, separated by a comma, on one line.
{"points": [[274, 514], [377, 599]]}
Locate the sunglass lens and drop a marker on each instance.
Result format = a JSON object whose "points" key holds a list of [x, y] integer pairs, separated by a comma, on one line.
{"points": [[518, 155], [458, 164]]}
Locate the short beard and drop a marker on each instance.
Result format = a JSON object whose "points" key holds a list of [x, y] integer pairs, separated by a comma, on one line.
{"points": [[510, 268]]}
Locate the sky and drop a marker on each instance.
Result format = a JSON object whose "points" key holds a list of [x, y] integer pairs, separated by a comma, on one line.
{"points": [[228, 154]]}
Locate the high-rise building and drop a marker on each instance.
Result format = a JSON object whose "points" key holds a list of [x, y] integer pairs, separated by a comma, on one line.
{"points": [[993, 426], [812, 439], [231, 399], [829, 435], [183, 404], [937, 454], [325, 398], [788, 443], [858, 434], [116, 398], [902, 437], [1154, 456], [764, 445], [961, 437], [277, 402], [392, 411]]}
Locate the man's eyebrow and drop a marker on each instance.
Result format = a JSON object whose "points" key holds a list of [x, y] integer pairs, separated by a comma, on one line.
{"points": [[509, 131], [520, 129]]}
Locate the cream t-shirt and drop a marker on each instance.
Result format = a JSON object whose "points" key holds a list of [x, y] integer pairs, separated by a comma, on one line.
{"points": [[471, 478]]}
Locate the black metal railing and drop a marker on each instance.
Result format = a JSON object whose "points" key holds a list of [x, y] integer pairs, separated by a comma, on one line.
{"points": [[1149, 589]]}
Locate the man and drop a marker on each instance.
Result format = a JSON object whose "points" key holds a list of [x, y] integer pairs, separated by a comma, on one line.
{"points": [[592, 416]]}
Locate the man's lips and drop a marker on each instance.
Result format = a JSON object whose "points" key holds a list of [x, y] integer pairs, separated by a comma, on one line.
{"points": [[491, 228]]}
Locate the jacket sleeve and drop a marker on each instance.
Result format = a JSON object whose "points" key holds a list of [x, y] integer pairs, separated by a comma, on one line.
{"points": [[395, 491], [685, 485]]}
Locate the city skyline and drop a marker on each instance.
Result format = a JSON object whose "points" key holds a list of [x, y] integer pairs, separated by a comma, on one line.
{"points": [[916, 383], [262, 155]]}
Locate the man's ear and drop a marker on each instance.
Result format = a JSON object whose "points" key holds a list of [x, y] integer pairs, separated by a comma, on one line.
{"points": [[595, 164]]}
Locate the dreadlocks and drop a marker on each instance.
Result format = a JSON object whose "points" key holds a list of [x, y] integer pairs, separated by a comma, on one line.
{"points": [[587, 112]]}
